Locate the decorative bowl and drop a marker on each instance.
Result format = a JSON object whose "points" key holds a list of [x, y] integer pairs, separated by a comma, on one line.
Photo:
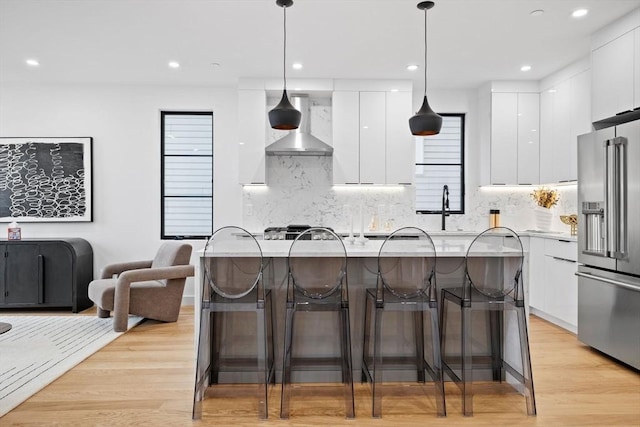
{"points": [[571, 220]]}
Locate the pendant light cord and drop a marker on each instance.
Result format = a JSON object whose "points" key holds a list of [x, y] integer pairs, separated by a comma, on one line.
{"points": [[284, 60], [425, 52]]}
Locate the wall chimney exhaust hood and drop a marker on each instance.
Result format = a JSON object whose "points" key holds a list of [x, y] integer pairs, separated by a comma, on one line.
{"points": [[300, 142]]}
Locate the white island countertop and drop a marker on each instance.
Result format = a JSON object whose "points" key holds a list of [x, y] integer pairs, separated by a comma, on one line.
{"points": [[370, 248]]}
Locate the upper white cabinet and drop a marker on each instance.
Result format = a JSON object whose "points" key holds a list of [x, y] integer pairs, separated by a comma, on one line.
{"points": [[346, 137], [372, 143], [528, 138], [400, 147], [504, 138], [613, 77], [372, 147], [251, 110], [615, 63], [514, 137], [565, 111]]}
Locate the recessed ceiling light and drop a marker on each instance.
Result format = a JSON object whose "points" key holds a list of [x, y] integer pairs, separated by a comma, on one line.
{"points": [[297, 66], [412, 67], [536, 12], [525, 68], [174, 64], [579, 13], [32, 62]]}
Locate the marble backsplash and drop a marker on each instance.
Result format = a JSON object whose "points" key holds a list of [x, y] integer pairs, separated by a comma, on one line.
{"points": [[300, 191]]}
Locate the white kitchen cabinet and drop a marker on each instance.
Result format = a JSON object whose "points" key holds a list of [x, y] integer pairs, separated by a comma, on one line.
{"points": [[504, 138], [565, 110], [371, 138], [400, 146], [553, 288], [546, 137], [561, 130], [528, 138], [514, 138], [561, 298], [346, 137], [251, 133], [614, 79], [580, 119]]}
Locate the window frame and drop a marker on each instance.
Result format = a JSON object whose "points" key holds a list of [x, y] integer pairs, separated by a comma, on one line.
{"points": [[163, 156], [461, 211]]}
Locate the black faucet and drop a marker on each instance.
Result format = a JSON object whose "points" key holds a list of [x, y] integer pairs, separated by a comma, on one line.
{"points": [[445, 203]]}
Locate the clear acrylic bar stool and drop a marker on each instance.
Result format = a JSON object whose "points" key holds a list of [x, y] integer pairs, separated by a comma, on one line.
{"points": [[406, 283], [317, 282], [493, 286], [233, 286]]}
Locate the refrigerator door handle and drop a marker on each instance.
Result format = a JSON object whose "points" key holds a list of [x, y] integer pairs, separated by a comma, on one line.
{"points": [[606, 280], [616, 197], [609, 199], [620, 150]]}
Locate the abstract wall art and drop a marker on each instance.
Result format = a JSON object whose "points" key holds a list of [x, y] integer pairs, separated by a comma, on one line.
{"points": [[45, 179]]}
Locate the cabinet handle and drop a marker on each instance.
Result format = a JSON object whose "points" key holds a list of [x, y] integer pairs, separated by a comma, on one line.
{"points": [[40, 279], [564, 241], [564, 259]]}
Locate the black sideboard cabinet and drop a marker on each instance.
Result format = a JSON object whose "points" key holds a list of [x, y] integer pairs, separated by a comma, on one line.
{"points": [[45, 273]]}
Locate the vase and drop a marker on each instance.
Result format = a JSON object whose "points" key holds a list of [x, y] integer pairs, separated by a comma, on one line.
{"points": [[543, 218]]}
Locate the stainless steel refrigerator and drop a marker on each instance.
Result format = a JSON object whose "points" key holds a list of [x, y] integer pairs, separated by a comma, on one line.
{"points": [[609, 241]]}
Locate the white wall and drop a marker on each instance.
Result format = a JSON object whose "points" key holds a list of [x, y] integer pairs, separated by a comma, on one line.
{"points": [[124, 122]]}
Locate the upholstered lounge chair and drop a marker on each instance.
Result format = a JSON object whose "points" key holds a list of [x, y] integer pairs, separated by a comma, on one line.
{"points": [[151, 289]]}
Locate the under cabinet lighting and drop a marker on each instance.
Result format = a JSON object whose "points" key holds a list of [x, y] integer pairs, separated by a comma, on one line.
{"points": [[525, 187]]}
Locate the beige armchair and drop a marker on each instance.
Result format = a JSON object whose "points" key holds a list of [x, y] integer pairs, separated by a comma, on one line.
{"points": [[151, 289]]}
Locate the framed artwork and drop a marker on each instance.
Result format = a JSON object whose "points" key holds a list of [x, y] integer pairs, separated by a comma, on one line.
{"points": [[45, 179]]}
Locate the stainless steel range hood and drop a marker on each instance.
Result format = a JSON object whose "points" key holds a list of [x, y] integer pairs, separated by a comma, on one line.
{"points": [[300, 142]]}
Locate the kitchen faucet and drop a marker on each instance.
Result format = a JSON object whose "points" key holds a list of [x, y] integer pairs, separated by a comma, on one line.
{"points": [[445, 203]]}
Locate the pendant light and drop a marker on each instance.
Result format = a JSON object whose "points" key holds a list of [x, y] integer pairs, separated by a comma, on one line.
{"points": [[284, 116], [426, 121]]}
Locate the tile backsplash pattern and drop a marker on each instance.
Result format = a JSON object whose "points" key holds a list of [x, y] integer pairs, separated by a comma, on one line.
{"points": [[300, 191]]}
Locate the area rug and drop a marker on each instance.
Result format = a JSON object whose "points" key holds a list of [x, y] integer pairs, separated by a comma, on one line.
{"points": [[39, 349]]}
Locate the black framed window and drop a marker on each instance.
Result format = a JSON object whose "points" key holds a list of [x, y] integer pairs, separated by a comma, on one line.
{"points": [[440, 162], [186, 175]]}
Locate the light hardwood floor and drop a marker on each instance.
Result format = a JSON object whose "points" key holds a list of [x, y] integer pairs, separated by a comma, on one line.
{"points": [[145, 378]]}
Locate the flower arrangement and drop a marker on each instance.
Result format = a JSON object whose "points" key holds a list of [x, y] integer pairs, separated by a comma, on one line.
{"points": [[545, 197]]}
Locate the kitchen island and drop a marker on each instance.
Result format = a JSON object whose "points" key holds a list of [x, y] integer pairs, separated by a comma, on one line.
{"points": [[361, 274]]}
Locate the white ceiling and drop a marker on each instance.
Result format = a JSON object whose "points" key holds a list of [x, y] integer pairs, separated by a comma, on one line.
{"points": [[131, 41]]}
